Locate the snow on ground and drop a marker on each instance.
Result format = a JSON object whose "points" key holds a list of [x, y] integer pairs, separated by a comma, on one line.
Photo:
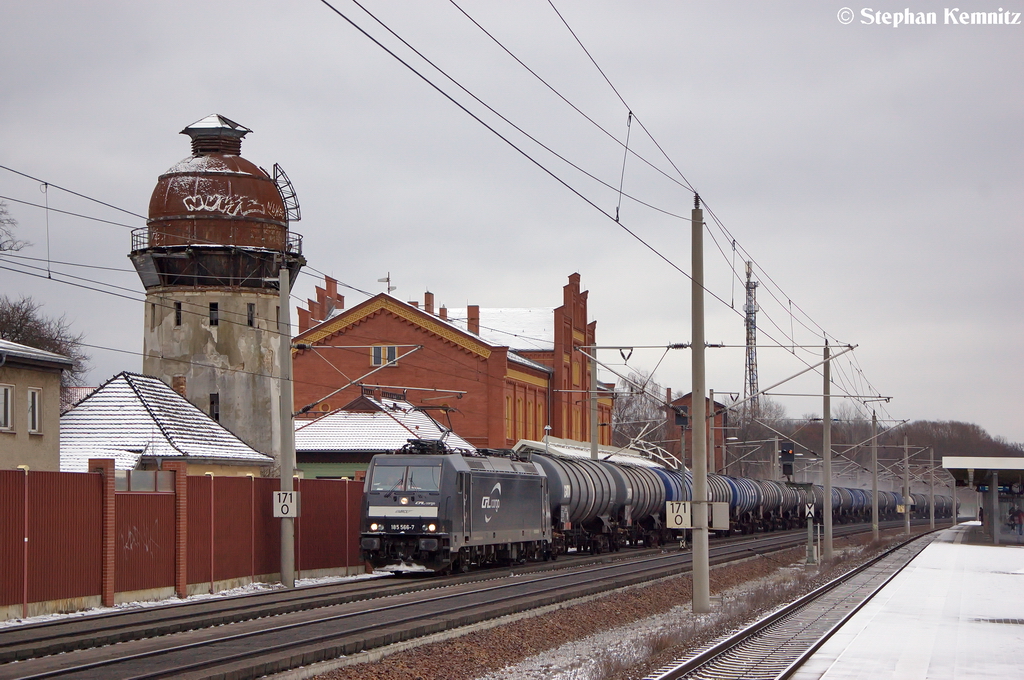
{"points": [[956, 611], [623, 647], [248, 589]]}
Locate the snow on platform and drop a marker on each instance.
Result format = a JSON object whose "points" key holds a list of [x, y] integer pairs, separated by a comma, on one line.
{"points": [[956, 611]]}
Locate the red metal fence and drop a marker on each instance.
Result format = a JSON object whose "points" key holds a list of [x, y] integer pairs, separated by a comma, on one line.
{"points": [[60, 541], [144, 548], [229, 528]]}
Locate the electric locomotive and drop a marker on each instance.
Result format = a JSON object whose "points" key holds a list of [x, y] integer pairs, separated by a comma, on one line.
{"points": [[430, 509]]}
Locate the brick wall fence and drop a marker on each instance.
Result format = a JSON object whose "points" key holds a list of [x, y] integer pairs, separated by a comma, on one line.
{"points": [[71, 541]]}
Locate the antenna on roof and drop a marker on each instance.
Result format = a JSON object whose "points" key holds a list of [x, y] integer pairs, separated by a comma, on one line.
{"points": [[387, 279]]}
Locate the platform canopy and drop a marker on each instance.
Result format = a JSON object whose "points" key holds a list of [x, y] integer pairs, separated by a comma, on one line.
{"points": [[973, 470]]}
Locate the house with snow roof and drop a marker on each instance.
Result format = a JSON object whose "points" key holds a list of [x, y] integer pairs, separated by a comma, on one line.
{"points": [[139, 422], [503, 374], [30, 406], [341, 443]]}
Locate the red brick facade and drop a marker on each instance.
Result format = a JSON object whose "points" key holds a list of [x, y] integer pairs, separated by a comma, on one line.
{"points": [[495, 400], [716, 462]]}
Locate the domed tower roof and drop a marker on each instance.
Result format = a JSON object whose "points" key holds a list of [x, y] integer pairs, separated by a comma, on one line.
{"points": [[217, 201]]}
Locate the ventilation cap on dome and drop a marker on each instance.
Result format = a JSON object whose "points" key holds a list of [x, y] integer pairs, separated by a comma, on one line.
{"points": [[216, 134]]}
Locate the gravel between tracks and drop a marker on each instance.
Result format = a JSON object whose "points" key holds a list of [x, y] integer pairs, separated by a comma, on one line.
{"points": [[773, 581]]}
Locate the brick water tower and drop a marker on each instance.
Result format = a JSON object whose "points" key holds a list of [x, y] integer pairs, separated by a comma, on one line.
{"points": [[216, 239]]}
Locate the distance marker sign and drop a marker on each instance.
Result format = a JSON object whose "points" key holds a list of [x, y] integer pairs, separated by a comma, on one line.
{"points": [[286, 504], [677, 515]]}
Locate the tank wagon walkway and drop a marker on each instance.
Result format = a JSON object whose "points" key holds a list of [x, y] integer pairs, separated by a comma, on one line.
{"points": [[956, 611]]}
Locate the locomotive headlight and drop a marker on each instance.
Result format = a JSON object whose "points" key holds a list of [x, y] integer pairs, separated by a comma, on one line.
{"points": [[374, 527], [431, 527], [404, 501]]}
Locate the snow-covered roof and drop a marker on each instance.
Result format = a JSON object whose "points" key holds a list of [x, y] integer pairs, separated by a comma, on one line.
{"points": [[71, 395], [574, 449], [520, 359], [218, 122], [76, 459], [386, 429], [517, 328], [14, 349], [142, 416]]}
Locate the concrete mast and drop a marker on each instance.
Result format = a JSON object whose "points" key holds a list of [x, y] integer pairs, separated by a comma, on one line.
{"points": [[701, 566]]}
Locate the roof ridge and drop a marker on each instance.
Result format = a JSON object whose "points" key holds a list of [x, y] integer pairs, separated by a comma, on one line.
{"points": [[145, 405]]}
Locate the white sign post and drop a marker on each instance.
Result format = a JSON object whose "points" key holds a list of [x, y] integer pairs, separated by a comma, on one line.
{"points": [[719, 516], [286, 504]]}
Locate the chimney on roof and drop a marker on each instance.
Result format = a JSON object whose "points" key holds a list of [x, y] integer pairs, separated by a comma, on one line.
{"points": [[443, 313], [216, 134], [415, 303], [473, 322], [428, 302], [178, 384]]}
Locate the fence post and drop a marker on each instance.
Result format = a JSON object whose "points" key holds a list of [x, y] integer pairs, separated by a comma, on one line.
{"points": [[105, 466], [348, 522], [252, 527], [210, 475], [180, 469], [24, 548]]}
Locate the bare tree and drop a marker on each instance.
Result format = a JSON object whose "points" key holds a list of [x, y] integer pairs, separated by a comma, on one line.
{"points": [[7, 224], [22, 321], [639, 410]]}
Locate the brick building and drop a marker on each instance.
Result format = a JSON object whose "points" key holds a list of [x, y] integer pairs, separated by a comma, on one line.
{"points": [[496, 375], [716, 454]]}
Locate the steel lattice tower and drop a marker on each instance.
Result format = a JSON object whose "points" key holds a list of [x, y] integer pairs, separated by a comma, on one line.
{"points": [[750, 322]]}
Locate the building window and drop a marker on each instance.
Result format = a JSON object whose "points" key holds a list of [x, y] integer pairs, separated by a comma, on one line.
{"points": [[215, 406], [508, 417], [177, 313], [34, 417], [250, 314], [6, 407], [385, 354], [214, 313], [519, 418], [152, 315]]}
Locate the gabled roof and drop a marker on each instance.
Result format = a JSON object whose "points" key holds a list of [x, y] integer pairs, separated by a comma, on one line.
{"points": [[383, 302], [524, 329], [31, 354], [141, 416], [388, 428]]}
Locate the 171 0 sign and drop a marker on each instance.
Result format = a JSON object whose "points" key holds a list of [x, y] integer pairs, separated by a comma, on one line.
{"points": [[678, 515], [286, 504]]}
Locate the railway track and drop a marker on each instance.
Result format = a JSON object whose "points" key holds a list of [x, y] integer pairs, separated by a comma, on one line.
{"points": [[275, 631], [774, 647]]}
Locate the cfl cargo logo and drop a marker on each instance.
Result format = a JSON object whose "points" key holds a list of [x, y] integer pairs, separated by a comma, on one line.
{"points": [[492, 502], [951, 16]]}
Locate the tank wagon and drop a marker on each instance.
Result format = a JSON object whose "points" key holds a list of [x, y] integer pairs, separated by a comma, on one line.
{"points": [[429, 508]]}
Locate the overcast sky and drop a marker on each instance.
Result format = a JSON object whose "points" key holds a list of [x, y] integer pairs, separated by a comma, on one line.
{"points": [[873, 173]]}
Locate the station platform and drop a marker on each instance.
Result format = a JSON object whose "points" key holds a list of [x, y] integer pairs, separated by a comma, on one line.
{"points": [[956, 611]]}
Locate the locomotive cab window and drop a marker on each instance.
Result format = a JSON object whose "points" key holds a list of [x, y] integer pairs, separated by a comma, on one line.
{"points": [[423, 478], [388, 478]]}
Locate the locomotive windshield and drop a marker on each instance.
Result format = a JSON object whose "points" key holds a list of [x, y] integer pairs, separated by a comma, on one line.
{"points": [[406, 478], [424, 478], [388, 478]]}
